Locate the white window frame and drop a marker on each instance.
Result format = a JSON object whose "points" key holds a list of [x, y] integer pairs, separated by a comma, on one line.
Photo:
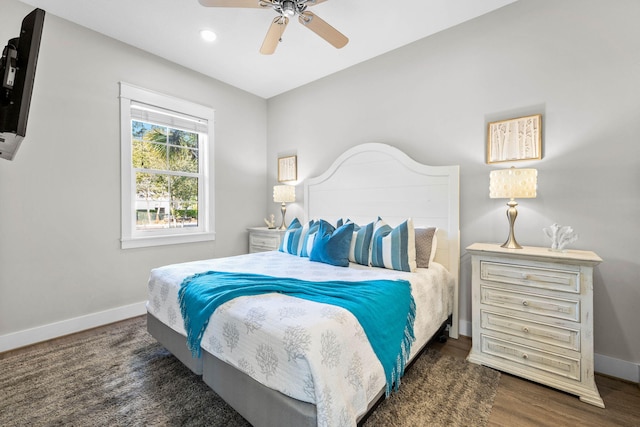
{"points": [[130, 237]]}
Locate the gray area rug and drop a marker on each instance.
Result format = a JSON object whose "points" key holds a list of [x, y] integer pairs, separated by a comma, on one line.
{"points": [[120, 376]]}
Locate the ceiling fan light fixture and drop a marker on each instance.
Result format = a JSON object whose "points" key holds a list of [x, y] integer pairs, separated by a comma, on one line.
{"points": [[288, 8]]}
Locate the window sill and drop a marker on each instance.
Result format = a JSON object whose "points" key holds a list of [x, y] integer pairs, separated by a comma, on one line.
{"points": [[145, 242]]}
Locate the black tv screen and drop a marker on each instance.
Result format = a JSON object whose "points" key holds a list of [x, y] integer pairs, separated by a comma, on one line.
{"points": [[17, 72]]}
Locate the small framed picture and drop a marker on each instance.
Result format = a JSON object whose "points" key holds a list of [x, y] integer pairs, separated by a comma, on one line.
{"points": [[515, 139], [287, 168]]}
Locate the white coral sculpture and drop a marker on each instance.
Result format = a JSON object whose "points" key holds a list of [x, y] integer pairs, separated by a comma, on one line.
{"points": [[560, 235], [271, 222]]}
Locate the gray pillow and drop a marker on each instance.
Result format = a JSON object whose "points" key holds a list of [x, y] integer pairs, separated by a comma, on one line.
{"points": [[425, 246]]}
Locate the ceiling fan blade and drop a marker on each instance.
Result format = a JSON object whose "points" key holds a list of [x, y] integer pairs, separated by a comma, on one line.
{"points": [[324, 30], [274, 34], [315, 2], [237, 3]]}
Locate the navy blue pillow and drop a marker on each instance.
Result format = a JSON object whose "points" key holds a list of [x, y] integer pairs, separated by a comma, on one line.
{"points": [[331, 245]]}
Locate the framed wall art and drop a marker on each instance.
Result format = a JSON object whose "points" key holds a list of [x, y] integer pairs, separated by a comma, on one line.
{"points": [[515, 139], [287, 168]]}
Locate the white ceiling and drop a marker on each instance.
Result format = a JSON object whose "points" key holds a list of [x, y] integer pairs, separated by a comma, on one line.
{"points": [[170, 29]]}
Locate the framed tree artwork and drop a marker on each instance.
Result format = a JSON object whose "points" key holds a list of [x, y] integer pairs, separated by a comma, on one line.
{"points": [[515, 139], [287, 168]]}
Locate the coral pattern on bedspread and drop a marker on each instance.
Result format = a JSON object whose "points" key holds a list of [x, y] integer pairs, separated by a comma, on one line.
{"points": [[384, 308]]}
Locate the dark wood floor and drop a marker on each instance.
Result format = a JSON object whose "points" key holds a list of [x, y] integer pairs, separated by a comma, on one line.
{"points": [[523, 403]]}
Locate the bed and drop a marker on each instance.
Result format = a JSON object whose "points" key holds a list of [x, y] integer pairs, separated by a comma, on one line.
{"points": [[295, 384]]}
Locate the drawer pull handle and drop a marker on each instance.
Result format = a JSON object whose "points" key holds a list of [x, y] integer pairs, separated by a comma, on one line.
{"points": [[525, 303], [525, 356], [525, 276], [525, 330]]}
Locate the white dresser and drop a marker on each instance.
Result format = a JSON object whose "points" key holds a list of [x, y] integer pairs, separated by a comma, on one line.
{"points": [[262, 239], [533, 315]]}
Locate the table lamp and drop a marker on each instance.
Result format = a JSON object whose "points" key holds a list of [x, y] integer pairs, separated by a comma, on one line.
{"points": [[284, 194], [512, 184]]}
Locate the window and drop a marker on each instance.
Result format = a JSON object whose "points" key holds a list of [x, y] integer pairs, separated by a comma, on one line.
{"points": [[165, 145]]}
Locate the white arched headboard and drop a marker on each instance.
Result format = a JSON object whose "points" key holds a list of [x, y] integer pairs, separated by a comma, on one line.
{"points": [[372, 180]]}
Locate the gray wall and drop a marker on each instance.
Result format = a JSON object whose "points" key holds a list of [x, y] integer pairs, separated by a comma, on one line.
{"points": [[60, 255], [577, 62]]}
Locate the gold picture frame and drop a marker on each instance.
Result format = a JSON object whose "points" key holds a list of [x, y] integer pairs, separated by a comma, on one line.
{"points": [[287, 168], [515, 139]]}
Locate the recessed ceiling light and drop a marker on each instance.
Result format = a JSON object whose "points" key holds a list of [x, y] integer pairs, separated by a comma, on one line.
{"points": [[208, 35]]}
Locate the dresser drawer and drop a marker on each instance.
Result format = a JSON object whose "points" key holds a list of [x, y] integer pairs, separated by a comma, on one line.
{"points": [[531, 357], [531, 303], [534, 331], [533, 277], [263, 242]]}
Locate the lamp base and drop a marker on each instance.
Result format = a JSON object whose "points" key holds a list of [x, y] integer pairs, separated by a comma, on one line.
{"points": [[511, 243], [512, 213], [283, 209]]}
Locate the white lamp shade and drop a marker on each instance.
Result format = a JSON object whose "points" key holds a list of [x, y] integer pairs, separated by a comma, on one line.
{"points": [[284, 193], [513, 183]]}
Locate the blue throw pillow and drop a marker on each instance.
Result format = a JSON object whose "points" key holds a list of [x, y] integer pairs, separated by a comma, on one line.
{"points": [[331, 245], [340, 222], [291, 238], [307, 243], [361, 244], [393, 248]]}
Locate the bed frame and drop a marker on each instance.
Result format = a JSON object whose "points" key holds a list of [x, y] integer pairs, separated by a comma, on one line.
{"points": [[366, 181]]}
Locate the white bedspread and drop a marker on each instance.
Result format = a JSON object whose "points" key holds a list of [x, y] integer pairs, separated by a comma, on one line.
{"points": [[312, 352]]}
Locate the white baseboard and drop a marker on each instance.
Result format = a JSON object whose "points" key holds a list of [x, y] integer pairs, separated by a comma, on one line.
{"points": [[54, 330], [464, 328], [617, 368]]}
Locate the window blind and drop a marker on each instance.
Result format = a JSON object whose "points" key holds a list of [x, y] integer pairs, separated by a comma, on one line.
{"points": [[160, 116]]}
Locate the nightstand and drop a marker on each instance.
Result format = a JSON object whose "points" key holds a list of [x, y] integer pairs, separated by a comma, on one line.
{"points": [[533, 315], [262, 239]]}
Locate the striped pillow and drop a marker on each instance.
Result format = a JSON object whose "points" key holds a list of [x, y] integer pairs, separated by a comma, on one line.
{"points": [[393, 248], [291, 238], [361, 244], [309, 238]]}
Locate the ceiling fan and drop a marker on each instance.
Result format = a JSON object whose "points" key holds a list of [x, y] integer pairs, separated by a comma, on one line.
{"points": [[286, 9]]}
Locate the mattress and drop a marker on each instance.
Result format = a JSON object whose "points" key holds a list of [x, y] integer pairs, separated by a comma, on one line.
{"points": [[309, 351]]}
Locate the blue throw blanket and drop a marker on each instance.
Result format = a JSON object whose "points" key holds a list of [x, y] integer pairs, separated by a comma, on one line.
{"points": [[384, 308]]}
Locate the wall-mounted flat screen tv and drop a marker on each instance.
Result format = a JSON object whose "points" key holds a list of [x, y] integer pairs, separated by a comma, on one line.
{"points": [[17, 72]]}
